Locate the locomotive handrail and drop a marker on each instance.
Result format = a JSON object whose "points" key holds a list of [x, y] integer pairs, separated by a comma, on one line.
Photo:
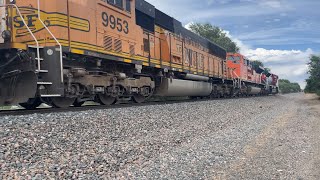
{"points": [[60, 46], [29, 30], [238, 79]]}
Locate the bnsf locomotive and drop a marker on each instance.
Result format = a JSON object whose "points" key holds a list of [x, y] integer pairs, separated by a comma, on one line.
{"points": [[66, 52]]}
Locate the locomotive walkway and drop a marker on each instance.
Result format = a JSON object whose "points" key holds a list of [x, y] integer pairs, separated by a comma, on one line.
{"points": [[274, 137]]}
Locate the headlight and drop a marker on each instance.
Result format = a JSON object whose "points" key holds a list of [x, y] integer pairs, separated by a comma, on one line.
{"points": [[6, 35]]}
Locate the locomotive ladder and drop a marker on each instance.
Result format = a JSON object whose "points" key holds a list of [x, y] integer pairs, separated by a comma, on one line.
{"points": [[39, 59], [236, 81], [59, 44]]}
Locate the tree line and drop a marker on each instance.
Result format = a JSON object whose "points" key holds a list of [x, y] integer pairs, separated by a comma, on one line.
{"points": [[288, 87], [313, 82], [216, 35]]}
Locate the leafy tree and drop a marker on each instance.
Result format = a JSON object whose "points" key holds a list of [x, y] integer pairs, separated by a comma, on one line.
{"points": [[216, 35], [257, 63], [268, 69], [287, 87], [313, 83]]}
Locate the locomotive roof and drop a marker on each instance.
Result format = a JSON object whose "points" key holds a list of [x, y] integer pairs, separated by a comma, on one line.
{"points": [[169, 23]]}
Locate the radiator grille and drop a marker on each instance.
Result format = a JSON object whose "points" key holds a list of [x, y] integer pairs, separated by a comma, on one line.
{"points": [[132, 50], [118, 45], [107, 42]]}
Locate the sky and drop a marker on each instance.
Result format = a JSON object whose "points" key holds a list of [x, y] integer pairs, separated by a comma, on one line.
{"points": [[283, 34]]}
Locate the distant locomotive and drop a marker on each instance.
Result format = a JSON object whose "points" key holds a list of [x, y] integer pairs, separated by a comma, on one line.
{"points": [[67, 52]]}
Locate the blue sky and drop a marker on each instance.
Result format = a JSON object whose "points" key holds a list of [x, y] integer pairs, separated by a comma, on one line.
{"points": [[281, 33]]}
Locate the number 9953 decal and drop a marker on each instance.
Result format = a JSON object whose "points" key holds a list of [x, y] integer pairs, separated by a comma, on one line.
{"points": [[115, 23]]}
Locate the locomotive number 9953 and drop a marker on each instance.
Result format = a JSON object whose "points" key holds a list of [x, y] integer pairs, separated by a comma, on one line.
{"points": [[115, 23]]}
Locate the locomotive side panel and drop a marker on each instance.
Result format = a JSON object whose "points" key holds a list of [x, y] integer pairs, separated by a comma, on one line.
{"points": [[84, 11], [112, 28], [53, 14]]}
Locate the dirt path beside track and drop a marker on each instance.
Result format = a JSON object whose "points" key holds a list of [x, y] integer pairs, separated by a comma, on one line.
{"points": [[288, 148]]}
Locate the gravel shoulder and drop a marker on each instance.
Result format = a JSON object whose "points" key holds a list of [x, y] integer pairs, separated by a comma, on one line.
{"points": [[275, 137], [289, 147]]}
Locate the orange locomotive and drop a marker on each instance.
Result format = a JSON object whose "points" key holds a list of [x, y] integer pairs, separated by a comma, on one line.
{"points": [[66, 52], [253, 78]]}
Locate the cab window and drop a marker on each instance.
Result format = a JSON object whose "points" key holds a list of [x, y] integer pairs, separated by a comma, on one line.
{"points": [[117, 3], [128, 6], [234, 59]]}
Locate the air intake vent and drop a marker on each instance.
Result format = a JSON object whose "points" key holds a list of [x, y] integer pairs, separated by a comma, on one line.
{"points": [[132, 50], [118, 45], [107, 42]]}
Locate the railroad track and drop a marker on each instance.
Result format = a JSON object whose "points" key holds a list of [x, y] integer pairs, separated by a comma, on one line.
{"points": [[19, 112]]}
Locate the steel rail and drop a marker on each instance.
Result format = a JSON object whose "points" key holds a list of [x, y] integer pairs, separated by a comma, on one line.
{"points": [[49, 110]]}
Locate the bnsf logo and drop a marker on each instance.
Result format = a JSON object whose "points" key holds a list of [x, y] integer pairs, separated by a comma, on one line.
{"points": [[31, 19], [30, 16]]}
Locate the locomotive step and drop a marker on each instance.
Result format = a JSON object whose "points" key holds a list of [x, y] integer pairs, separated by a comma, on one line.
{"points": [[41, 59], [33, 46], [44, 83], [42, 71], [50, 95]]}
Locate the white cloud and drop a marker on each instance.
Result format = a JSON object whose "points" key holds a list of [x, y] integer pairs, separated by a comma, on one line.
{"points": [[210, 2], [187, 26], [271, 3], [273, 55]]}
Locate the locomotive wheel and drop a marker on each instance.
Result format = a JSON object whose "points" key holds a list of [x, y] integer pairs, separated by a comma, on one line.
{"points": [[61, 102], [137, 98], [31, 104], [78, 103], [106, 100]]}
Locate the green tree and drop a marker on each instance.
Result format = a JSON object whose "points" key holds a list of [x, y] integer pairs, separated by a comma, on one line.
{"points": [[216, 35], [313, 83], [257, 63], [287, 87]]}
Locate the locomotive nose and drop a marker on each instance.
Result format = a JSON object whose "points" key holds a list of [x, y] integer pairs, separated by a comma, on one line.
{"points": [[18, 88]]}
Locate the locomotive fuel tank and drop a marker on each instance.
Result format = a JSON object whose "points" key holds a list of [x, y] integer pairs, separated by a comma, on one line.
{"points": [[176, 87], [196, 77], [253, 90]]}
